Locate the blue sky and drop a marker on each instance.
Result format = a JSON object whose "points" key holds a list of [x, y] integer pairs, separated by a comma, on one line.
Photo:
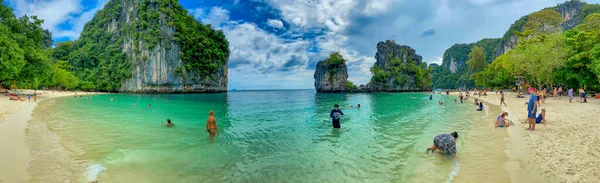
{"points": [[275, 44]]}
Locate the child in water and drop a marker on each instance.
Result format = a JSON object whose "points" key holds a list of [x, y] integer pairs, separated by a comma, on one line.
{"points": [[169, 124]]}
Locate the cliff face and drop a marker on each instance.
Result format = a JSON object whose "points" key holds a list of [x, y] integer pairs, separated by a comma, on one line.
{"points": [[398, 68], [163, 55], [330, 77], [572, 12], [455, 57]]}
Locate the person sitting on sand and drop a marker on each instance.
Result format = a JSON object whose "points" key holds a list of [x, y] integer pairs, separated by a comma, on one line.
{"points": [[501, 120], [16, 97], [480, 106], [446, 143], [541, 118], [519, 95], [211, 125], [169, 124]]}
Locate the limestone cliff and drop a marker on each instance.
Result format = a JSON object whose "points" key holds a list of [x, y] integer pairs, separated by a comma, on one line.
{"points": [[165, 49], [331, 74], [398, 68], [572, 12]]}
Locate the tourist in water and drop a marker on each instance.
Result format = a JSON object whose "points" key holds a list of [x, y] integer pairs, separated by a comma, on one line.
{"points": [[335, 116], [149, 106], [350, 106], [541, 118], [133, 104], [476, 102], [431, 97], [211, 125], [531, 109], [570, 92], [502, 98], [480, 106], [358, 106], [461, 97], [111, 99], [440, 102], [169, 124], [446, 143], [455, 101]]}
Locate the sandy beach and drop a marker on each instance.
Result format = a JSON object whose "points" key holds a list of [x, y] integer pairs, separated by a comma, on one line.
{"points": [[14, 116], [563, 150]]}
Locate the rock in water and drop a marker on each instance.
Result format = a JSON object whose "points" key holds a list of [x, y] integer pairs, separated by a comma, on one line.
{"points": [[151, 46], [398, 68], [331, 74]]}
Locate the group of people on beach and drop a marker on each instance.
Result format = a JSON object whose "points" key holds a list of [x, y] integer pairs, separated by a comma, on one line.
{"points": [[16, 97]]}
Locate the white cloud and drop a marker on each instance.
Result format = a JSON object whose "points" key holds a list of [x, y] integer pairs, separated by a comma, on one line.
{"points": [[57, 12], [215, 16], [275, 23]]}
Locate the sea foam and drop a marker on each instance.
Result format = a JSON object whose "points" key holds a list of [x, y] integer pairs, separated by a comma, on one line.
{"points": [[454, 172], [93, 171]]}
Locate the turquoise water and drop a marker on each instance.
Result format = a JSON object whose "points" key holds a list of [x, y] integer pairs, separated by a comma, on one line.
{"points": [[266, 136]]}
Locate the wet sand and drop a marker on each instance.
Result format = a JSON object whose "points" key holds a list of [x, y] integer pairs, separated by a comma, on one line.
{"points": [[14, 117]]}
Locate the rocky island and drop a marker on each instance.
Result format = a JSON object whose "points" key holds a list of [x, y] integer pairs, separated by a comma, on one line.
{"points": [[397, 69], [331, 74]]}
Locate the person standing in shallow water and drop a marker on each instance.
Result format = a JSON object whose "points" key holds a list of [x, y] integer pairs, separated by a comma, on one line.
{"points": [[446, 143], [211, 125], [335, 116]]}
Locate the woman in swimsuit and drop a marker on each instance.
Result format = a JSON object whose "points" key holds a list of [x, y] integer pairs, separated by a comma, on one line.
{"points": [[211, 125]]}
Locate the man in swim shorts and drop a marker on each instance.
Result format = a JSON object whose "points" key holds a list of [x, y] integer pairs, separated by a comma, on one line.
{"points": [[531, 109], [211, 125], [335, 116], [502, 99]]}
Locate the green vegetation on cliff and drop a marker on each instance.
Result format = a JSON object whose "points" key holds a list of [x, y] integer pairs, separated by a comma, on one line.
{"points": [[101, 62], [399, 68]]}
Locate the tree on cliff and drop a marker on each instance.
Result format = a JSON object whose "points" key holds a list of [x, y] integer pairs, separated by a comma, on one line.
{"points": [[545, 21], [476, 60]]}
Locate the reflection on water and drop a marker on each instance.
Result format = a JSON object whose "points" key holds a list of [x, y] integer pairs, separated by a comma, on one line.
{"points": [[266, 136]]}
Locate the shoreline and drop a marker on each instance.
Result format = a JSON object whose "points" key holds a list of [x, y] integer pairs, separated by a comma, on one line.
{"points": [[14, 119], [563, 150]]}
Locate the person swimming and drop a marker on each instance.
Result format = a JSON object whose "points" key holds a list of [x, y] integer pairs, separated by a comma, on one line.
{"points": [[358, 106], [169, 124], [133, 104], [480, 106], [111, 99], [149, 106], [211, 125], [446, 143]]}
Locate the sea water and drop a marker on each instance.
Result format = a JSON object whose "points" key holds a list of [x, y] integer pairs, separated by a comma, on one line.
{"points": [[265, 136]]}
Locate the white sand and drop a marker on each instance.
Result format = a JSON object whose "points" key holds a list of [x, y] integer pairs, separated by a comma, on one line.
{"points": [[566, 149], [14, 115]]}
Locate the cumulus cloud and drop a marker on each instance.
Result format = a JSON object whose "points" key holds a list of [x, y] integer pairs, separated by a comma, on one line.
{"points": [[275, 23]]}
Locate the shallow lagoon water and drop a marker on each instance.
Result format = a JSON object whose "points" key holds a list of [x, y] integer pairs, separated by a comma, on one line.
{"points": [[266, 136]]}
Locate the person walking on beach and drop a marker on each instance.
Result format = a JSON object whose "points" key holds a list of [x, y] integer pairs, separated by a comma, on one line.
{"points": [[335, 116], [446, 143], [34, 96], [211, 125], [560, 92], [555, 93], [531, 109], [28, 98], [582, 98], [570, 92], [502, 98]]}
